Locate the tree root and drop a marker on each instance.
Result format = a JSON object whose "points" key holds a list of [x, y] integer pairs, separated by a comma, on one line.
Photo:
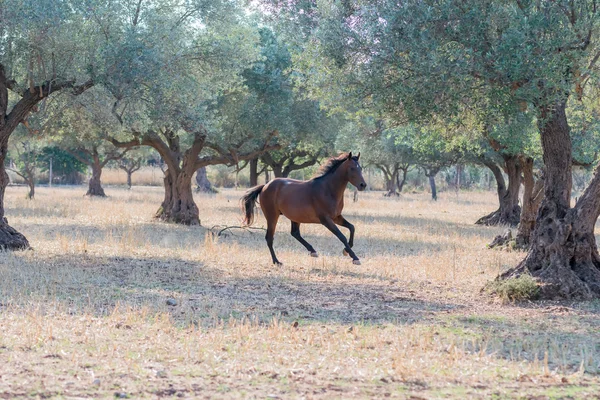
{"points": [[504, 241], [10, 239], [565, 263], [496, 218]]}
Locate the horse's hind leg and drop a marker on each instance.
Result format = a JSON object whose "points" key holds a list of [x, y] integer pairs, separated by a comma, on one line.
{"points": [[344, 222], [271, 225], [296, 235]]}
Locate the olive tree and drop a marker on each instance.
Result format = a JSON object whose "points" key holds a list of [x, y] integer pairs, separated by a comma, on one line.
{"points": [[179, 62], [46, 48], [416, 59]]}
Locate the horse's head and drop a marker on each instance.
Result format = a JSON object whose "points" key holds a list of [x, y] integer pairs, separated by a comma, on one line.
{"points": [[354, 172]]}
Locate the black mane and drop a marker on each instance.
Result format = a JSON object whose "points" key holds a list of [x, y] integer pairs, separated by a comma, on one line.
{"points": [[331, 165]]}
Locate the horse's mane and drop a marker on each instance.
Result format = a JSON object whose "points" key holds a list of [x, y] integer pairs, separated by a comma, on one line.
{"points": [[331, 165]]}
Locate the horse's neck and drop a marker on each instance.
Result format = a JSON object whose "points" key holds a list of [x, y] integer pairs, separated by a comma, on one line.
{"points": [[337, 183]]}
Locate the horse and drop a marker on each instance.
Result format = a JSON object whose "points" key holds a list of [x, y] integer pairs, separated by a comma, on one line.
{"points": [[316, 201]]}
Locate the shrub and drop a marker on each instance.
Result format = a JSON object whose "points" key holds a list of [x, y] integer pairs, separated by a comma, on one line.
{"points": [[525, 287]]}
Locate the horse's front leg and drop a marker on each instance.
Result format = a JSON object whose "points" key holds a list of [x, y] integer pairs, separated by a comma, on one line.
{"points": [[341, 221], [330, 224], [344, 222]]}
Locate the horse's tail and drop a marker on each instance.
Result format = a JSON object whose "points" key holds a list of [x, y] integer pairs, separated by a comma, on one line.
{"points": [[248, 203]]}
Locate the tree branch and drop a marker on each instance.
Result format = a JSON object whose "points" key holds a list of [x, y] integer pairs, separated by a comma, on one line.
{"points": [[76, 154], [18, 173], [113, 156], [229, 160], [191, 155], [151, 138], [30, 99]]}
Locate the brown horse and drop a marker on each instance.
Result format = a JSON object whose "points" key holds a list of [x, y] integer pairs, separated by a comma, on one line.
{"points": [[317, 201]]}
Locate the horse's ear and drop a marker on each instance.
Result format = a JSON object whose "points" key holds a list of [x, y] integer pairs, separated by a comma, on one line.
{"points": [[358, 156], [349, 155]]}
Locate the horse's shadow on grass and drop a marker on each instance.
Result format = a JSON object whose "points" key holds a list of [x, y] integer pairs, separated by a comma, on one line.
{"points": [[327, 244]]}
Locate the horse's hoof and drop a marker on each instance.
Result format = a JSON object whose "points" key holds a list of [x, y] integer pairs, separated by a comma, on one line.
{"points": [[356, 262], [345, 252], [277, 263], [314, 254]]}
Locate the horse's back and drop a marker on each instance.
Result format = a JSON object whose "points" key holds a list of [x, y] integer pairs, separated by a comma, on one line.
{"points": [[290, 197]]}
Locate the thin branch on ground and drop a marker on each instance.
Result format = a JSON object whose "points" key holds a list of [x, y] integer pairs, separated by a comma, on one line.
{"points": [[222, 228]]}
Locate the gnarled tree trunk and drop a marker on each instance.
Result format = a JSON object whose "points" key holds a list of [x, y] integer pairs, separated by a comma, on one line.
{"points": [[509, 211], [431, 177], [202, 182], [458, 180], [178, 205], [93, 159], [532, 197], [130, 166], [563, 254], [95, 184], [10, 239], [31, 185], [254, 172], [391, 182], [400, 183], [390, 175], [278, 170]]}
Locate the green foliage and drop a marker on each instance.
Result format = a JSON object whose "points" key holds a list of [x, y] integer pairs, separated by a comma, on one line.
{"points": [[156, 65], [416, 59], [171, 69], [269, 103], [40, 39], [65, 167], [23, 150], [432, 150], [473, 66], [378, 146], [584, 121], [517, 134], [25, 156]]}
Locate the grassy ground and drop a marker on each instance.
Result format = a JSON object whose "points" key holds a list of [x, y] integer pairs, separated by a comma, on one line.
{"points": [[111, 303]]}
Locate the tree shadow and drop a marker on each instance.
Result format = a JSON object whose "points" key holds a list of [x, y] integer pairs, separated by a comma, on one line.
{"points": [[151, 232], [157, 233], [424, 224], [197, 294], [204, 295], [568, 340]]}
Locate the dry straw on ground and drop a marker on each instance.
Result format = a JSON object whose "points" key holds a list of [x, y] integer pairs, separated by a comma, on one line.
{"points": [[87, 314]]}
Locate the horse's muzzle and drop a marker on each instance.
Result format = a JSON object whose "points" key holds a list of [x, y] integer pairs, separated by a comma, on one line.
{"points": [[362, 186]]}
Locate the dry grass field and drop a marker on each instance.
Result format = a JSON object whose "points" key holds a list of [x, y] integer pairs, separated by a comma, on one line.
{"points": [[113, 304]]}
